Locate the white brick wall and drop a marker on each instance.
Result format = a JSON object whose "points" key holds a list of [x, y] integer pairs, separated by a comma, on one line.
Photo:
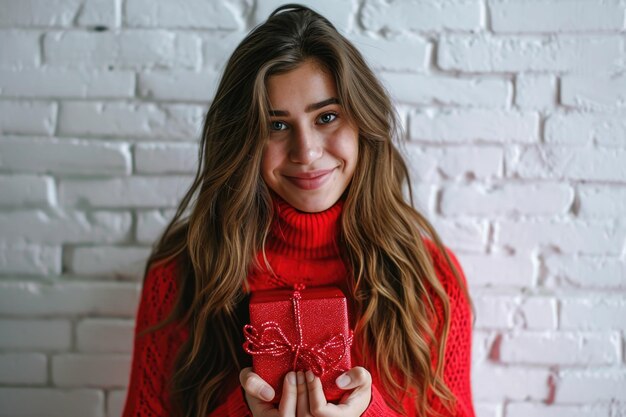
{"points": [[515, 116]]}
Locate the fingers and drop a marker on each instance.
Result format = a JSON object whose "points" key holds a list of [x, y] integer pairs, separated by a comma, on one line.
{"points": [[302, 406], [255, 386], [360, 381], [317, 399], [287, 406]]}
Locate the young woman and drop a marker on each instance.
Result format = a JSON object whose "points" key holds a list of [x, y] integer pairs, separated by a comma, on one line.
{"points": [[299, 182]]}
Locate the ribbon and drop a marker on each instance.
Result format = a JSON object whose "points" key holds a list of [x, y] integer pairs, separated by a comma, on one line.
{"points": [[269, 339]]}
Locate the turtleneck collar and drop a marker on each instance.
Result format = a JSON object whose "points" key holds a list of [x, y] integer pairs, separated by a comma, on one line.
{"points": [[301, 235]]}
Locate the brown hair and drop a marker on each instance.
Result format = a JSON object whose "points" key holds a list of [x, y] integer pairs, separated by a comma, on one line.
{"points": [[230, 212]]}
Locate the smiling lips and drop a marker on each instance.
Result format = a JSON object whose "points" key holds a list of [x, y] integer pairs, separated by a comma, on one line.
{"points": [[311, 180]]}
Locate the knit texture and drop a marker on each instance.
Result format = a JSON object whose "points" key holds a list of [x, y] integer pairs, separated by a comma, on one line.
{"points": [[301, 248]]}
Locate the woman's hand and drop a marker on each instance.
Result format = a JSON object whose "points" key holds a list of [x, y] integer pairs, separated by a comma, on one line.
{"points": [[303, 395]]}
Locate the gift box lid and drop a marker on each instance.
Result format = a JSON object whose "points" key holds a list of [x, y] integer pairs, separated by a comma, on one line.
{"points": [[312, 293]]}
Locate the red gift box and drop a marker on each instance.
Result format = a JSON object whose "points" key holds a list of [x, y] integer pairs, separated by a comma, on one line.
{"points": [[299, 330]]}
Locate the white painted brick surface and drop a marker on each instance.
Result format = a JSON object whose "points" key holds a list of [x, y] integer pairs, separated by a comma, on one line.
{"points": [[463, 126], [166, 158], [126, 262], [514, 121], [556, 16], [26, 190], [594, 92], [427, 15], [124, 192], [28, 117], [65, 156], [561, 348], [53, 335], [511, 199], [102, 370], [23, 368], [51, 402], [586, 129], [129, 49], [30, 259], [105, 335], [144, 120], [67, 83]]}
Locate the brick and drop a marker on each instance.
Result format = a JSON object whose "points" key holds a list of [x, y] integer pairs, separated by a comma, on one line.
{"points": [[552, 410], [568, 237], [104, 335], [179, 85], [24, 51], [597, 272], [151, 224], [474, 125], [66, 83], [217, 49], [485, 53], [449, 91], [51, 402], [586, 129], [593, 313], [47, 335], [601, 201], [39, 12], [563, 348], [593, 92], [143, 120], [82, 370], [99, 13], [26, 190], [533, 91], [406, 53], [27, 117], [28, 299], [430, 15], [166, 158], [23, 368], [118, 262], [497, 271], [115, 403], [488, 409], [556, 16], [192, 14], [65, 156], [136, 49], [494, 383], [506, 199], [434, 164], [124, 192], [424, 198], [504, 312], [30, 259], [586, 386], [468, 235], [64, 227], [482, 345], [340, 12], [572, 163]]}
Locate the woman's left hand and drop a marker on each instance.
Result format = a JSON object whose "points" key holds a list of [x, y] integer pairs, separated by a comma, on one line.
{"points": [[303, 395]]}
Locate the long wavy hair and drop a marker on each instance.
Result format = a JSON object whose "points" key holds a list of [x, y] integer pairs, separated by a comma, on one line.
{"points": [[223, 220]]}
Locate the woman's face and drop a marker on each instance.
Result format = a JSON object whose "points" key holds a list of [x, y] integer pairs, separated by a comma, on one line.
{"points": [[311, 154]]}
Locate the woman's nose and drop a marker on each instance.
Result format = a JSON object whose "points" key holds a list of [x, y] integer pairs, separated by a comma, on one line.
{"points": [[306, 146]]}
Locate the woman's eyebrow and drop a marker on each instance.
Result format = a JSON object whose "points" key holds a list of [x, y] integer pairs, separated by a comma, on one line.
{"points": [[309, 108]]}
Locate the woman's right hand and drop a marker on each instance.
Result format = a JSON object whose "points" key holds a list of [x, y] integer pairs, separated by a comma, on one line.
{"points": [[303, 395]]}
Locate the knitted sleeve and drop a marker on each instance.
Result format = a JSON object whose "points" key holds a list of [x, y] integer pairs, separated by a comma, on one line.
{"points": [[457, 355], [154, 352]]}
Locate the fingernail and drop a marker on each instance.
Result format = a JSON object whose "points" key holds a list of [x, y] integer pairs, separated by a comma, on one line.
{"points": [[267, 393], [300, 377], [343, 381], [291, 378], [309, 376]]}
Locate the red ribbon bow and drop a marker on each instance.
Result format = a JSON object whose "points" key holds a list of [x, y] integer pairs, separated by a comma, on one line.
{"points": [[269, 339]]}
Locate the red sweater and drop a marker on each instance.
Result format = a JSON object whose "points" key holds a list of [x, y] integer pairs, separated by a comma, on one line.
{"points": [[301, 248]]}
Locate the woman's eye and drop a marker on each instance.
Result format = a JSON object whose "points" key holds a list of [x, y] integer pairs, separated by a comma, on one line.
{"points": [[327, 118], [278, 126]]}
